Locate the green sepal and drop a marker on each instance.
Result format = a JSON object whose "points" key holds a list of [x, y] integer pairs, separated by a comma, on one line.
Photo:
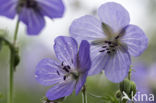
{"points": [[15, 52]]}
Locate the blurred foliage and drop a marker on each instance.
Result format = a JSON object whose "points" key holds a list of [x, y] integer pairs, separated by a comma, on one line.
{"points": [[1, 95]]}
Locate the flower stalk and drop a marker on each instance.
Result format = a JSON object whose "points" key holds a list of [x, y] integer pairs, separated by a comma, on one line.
{"points": [[13, 63], [16, 33], [84, 94], [129, 74]]}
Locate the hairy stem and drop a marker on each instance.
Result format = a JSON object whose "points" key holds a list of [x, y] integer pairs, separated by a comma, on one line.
{"points": [[16, 32], [12, 65], [84, 94], [129, 74]]}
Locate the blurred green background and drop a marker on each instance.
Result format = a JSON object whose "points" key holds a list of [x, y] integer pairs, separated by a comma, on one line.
{"points": [[35, 48]]}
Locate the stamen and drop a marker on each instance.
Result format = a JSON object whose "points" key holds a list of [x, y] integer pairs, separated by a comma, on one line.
{"points": [[110, 46], [31, 4], [64, 78], [107, 48], [101, 50], [62, 63], [58, 73], [109, 42], [117, 37], [66, 69], [104, 46], [108, 52], [106, 41]]}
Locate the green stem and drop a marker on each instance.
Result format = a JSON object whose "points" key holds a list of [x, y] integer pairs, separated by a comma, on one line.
{"points": [[12, 66], [84, 95], [129, 74], [11, 85], [16, 32]]}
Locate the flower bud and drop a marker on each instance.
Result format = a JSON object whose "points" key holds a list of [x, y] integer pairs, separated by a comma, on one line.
{"points": [[129, 87], [133, 88]]}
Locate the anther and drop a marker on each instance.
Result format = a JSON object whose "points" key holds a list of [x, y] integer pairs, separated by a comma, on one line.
{"points": [[62, 63], [107, 48], [104, 46], [106, 41], [64, 68], [101, 50], [31, 4], [109, 42], [68, 67], [117, 37], [108, 52], [58, 73], [64, 78]]}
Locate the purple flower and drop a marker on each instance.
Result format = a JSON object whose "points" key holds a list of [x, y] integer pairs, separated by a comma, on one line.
{"points": [[140, 77], [67, 73], [112, 40], [32, 12]]}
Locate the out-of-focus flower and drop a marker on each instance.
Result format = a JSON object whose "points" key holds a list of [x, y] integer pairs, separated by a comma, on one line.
{"points": [[152, 76], [140, 77], [69, 72], [112, 40], [32, 12]]}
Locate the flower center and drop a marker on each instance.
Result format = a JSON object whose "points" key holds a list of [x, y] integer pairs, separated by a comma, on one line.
{"points": [[109, 47], [28, 4], [68, 72]]}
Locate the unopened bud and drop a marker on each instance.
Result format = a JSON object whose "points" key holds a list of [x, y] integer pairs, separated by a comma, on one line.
{"points": [[129, 87]]}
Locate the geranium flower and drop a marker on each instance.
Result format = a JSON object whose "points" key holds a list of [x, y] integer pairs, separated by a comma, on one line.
{"points": [[67, 73], [112, 40], [140, 77], [32, 12]]}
